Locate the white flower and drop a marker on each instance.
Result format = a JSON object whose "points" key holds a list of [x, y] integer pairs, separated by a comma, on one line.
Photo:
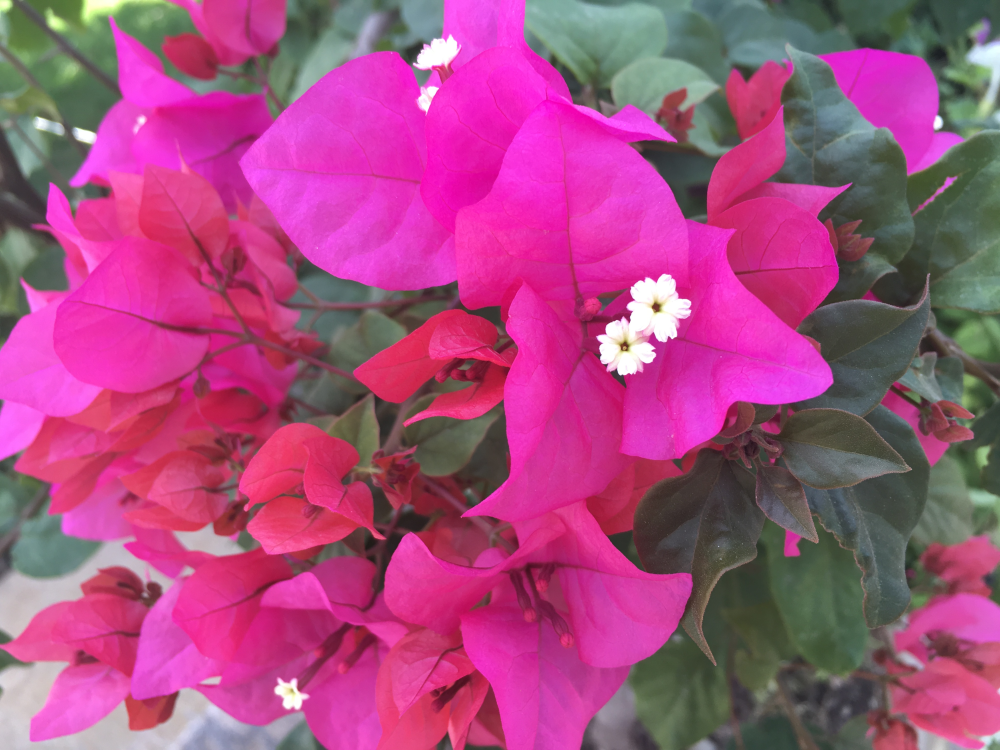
{"points": [[656, 308], [291, 698], [426, 96], [438, 54], [623, 349]]}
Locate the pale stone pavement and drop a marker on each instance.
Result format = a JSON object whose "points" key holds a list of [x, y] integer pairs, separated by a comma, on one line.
{"points": [[196, 724]]}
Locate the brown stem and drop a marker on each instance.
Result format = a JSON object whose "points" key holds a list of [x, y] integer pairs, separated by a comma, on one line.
{"points": [[805, 740], [479, 521], [30, 79], [946, 347], [395, 437], [255, 339], [34, 505], [64, 44]]}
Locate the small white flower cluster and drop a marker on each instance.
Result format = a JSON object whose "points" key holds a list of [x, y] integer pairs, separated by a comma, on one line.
{"points": [[291, 696], [656, 310], [426, 97], [440, 53]]}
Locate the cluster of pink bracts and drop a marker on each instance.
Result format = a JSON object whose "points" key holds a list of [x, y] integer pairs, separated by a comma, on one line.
{"points": [[156, 386]]}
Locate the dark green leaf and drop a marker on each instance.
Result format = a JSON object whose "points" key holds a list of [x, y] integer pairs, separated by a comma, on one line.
{"points": [[763, 633], [644, 83], [694, 38], [858, 276], [704, 523], [919, 377], [780, 495], [820, 600], [446, 445], [488, 469], [958, 233], [751, 35], [863, 16], [594, 41], [359, 427], [853, 735], [947, 516], [876, 518], [827, 448], [770, 733], [764, 413], [950, 374], [831, 144], [987, 427], [300, 738], [43, 551], [869, 346], [991, 472], [679, 696]]}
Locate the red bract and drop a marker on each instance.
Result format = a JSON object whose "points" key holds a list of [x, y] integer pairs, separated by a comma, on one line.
{"points": [[98, 634], [964, 565], [192, 55], [754, 103], [426, 688], [438, 349], [324, 509]]}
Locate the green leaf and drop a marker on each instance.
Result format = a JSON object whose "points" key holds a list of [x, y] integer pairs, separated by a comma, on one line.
{"points": [[820, 600], [679, 696], [781, 496], [827, 448], [330, 51], [43, 551], [858, 276], [922, 376], [704, 523], [866, 17], [423, 17], [947, 516], [692, 37], [355, 345], [987, 427], [831, 144], [488, 469], [6, 660], [359, 427], [869, 346], [644, 83], [445, 445], [958, 233], [876, 518], [594, 41], [751, 35], [300, 738], [767, 644], [770, 733]]}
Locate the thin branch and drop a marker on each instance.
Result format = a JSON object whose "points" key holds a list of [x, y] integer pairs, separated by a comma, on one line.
{"points": [[374, 27], [805, 740], [30, 79], [479, 521], [64, 44], [254, 339], [392, 442], [34, 505], [946, 346]]}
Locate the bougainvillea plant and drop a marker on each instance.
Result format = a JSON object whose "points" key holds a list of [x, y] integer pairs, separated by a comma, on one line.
{"points": [[640, 370]]}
